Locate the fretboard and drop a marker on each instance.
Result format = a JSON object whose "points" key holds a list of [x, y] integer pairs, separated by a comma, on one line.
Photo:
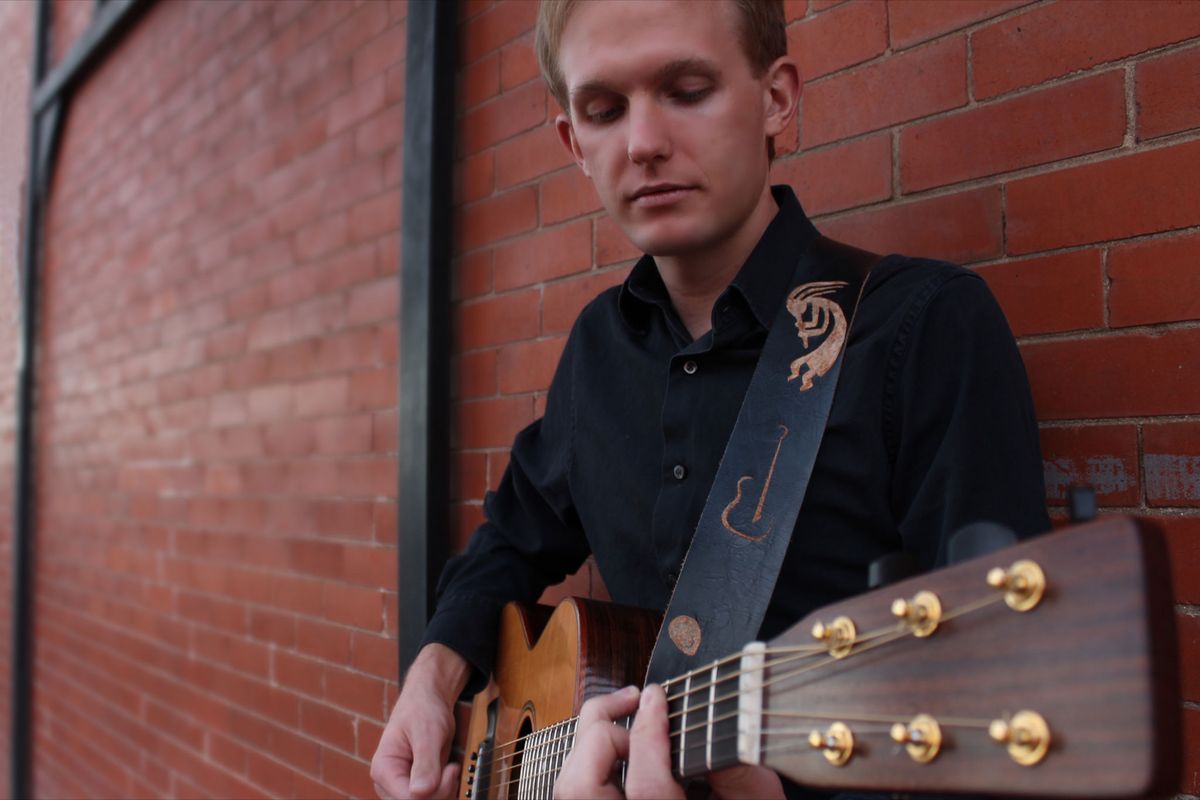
{"points": [[702, 720]]}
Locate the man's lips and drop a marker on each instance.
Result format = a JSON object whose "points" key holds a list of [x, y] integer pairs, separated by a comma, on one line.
{"points": [[659, 194]]}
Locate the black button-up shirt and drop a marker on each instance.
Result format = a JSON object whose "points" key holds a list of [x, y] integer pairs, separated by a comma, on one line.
{"points": [[932, 427]]}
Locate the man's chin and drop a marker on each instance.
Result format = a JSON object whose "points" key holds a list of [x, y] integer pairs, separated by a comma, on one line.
{"points": [[666, 242]]}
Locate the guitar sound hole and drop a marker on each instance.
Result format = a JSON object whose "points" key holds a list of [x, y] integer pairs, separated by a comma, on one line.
{"points": [[513, 783]]}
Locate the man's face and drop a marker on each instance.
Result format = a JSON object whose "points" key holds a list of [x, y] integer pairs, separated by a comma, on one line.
{"points": [[666, 119]]}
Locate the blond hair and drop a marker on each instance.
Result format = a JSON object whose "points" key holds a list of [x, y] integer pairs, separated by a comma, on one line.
{"points": [[761, 26]]}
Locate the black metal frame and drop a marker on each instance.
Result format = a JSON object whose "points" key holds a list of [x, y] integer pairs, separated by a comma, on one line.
{"points": [[424, 440], [49, 99]]}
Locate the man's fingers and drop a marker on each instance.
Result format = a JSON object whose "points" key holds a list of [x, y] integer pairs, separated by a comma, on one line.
{"points": [[425, 775], [649, 774], [608, 707], [599, 744], [448, 785]]}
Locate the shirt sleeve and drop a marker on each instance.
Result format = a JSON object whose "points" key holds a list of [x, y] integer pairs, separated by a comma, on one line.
{"points": [[965, 436], [531, 537]]}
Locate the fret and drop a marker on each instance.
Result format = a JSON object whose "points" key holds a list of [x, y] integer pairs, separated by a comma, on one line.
{"points": [[708, 729], [750, 703], [625, 764], [683, 726], [544, 784]]}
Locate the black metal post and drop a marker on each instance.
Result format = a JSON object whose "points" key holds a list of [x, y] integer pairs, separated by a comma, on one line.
{"points": [[20, 735], [424, 314]]}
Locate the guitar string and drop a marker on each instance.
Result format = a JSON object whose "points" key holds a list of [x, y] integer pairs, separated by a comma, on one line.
{"points": [[807, 650], [868, 641], [884, 722]]}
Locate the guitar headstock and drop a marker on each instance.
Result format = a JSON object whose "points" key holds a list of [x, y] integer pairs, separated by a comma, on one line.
{"points": [[986, 680]]}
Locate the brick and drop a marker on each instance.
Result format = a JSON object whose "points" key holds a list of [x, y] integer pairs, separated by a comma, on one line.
{"points": [[352, 605], [466, 517], [849, 34], [543, 256], [473, 275], [374, 217], [962, 227], [271, 627], [297, 673], [529, 366], [1190, 783], [1064, 120], [386, 50], [475, 374], [475, 177], [496, 320], [1121, 197], [1116, 375], [327, 724], [1052, 40], [375, 301], [321, 238], [360, 103], [1155, 281], [276, 778], [498, 218], [794, 9], [354, 691], [495, 27], [1050, 294], [479, 81], [518, 63], [529, 156], [321, 640], [491, 423], [1167, 90], [909, 85], [1171, 452], [375, 389], [840, 177], [469, 476], [565, 299], [1102, 456], [1182, 535], [911, 23], [504, 117], [1187, 633], [376, 655], [824, 5], [567, 194]]}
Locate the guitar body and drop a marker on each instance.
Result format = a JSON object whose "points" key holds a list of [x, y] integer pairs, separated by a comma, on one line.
{"points": [[548, 662]]}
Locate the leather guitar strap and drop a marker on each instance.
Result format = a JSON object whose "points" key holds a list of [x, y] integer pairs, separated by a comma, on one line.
{"points": [[729, 573]]}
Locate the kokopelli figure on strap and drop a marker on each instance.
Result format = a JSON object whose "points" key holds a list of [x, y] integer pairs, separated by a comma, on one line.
{"points": [[815, 316]]}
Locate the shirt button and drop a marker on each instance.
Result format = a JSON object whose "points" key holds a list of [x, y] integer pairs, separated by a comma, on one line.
{"points": [[690, 367], [680, 472]]}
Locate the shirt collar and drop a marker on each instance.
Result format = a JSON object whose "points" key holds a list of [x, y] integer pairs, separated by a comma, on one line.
{"points": [[762, 281]]}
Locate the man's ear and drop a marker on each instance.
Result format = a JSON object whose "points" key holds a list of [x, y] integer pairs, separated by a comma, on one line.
{"points": [[566, 134], [782, 87]]}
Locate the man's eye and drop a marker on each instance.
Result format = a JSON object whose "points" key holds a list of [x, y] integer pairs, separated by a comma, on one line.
{"points": [[602, 114], [690, 96]]}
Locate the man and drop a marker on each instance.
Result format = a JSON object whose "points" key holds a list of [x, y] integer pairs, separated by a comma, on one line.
{"points": [[670, 108]]}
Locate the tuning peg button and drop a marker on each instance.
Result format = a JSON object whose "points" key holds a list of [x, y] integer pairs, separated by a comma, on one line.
{"points": [[1026, 735], [837, 743], [1023, 584]]}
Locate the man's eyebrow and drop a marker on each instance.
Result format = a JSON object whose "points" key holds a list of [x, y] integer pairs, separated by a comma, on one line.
{"points": [[664, 74]]}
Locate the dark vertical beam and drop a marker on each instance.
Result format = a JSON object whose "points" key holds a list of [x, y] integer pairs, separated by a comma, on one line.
{"points": [[424, 441], [21, 706]]}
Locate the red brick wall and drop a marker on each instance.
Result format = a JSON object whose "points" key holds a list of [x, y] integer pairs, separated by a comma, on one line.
{"points": [[16, 44], [216, 608], [1055, 147]]}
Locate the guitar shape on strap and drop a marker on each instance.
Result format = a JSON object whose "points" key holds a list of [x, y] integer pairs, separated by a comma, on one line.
{"points": [[1045, 669]]}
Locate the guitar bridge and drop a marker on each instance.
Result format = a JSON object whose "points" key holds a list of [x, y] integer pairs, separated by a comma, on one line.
{"points": [[750, 702]]}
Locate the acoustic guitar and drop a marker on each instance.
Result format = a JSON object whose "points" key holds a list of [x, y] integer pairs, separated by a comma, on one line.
{"points": [[1045, 669]]}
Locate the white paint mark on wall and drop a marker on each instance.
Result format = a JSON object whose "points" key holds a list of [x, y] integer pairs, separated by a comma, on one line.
{"points": [[1107, 474], [1170, 477]]}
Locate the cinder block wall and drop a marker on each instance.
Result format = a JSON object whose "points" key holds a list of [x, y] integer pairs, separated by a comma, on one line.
{"points": [[1055, 147]]}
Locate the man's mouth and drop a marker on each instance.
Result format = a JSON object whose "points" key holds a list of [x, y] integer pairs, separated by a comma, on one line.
{"points": [[659, 194]]}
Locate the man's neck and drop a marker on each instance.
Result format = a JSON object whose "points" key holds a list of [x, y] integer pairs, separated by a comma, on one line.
{"points": [[695, 280]]}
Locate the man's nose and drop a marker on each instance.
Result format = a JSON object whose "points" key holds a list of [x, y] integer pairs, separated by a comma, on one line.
{"points": [[649, 134]]}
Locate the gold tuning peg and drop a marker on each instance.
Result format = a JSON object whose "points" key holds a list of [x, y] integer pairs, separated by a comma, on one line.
{"points": [[1023, 584], [838, 636], [837, 743], [1026, 735], [921, 613], [922, 738]]}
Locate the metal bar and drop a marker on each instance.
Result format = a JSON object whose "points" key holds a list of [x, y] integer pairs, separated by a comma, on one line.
{"points": [[20, 734], [424, 314], [110, 21]]}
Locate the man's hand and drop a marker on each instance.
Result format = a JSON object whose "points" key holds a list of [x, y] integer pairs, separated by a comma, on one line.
{"points": [[599, 744], [410, 761]]}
